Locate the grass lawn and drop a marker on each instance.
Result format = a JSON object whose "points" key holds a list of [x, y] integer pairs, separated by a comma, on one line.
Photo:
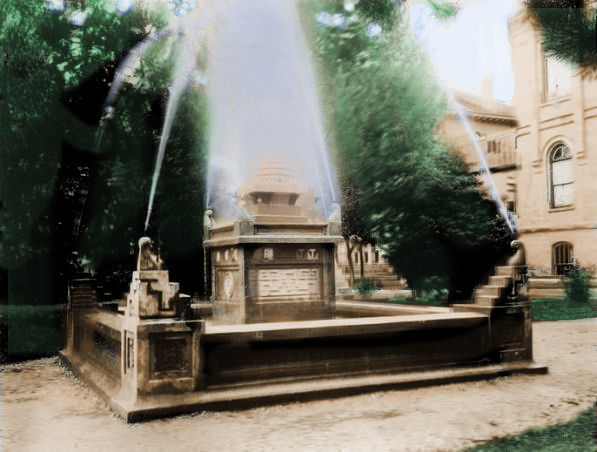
{"points": [[32, 331], [558, 309], [571, 436]]}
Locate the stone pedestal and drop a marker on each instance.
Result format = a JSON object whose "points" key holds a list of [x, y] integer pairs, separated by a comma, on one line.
{"points": [[269, 281], [511, 329], [276, 262], [159, 352]]}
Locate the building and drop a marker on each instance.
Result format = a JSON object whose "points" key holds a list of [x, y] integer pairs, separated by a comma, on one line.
{"points": [[494, 124], [556, 141], [542, 152]]}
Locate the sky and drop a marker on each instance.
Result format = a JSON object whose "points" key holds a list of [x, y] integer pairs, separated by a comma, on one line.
{"points": [[470, 45]]}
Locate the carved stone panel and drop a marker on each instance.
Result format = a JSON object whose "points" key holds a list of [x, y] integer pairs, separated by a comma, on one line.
{"points": [[291, 282], [227, 283], [170, 356]]}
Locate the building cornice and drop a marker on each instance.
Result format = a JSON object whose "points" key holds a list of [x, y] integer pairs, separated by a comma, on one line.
{"points": [[571, 227]]}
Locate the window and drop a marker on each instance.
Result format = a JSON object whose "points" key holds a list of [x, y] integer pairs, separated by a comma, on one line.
{"points": [[558, 75], [366, 257], [561, 258], [376, 256], [560, 176]]}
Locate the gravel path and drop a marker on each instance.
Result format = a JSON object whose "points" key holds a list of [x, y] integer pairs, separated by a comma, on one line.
{"points": [[44, 409]]}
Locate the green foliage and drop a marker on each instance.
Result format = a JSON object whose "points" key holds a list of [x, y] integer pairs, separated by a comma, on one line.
{"points": [[365, 286], [578, 286], [54, 80], [433, 288], [44, 57], [418, 200], [119, 195], [557, 309], [33, 331], [378, 10], [567, 30], [442, 9], [571, 436]]}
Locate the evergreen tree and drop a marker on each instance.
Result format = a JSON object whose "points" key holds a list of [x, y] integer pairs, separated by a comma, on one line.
{"points": [[568, 30]]}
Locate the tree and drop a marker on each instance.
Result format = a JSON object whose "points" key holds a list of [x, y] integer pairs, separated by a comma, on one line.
{"points": [[54, 80], [354, 229], [420, 202], [119, 194], [568, 30], [578, 286]]}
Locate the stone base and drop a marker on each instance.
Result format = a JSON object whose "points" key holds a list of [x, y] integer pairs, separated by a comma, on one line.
{"points": [[290, 390], [160, 367]]}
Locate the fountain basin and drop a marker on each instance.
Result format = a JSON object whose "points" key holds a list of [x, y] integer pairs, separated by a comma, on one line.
{"points": [[177, 366]]}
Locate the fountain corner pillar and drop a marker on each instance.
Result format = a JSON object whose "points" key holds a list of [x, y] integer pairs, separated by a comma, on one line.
{"points": [[276, 263], [159, 351]]}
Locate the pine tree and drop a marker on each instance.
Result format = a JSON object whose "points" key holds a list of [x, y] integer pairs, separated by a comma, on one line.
{"points": [[568, 30]]}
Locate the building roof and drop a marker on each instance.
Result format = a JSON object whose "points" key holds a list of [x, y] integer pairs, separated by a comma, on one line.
{"points": [[486, 109]]}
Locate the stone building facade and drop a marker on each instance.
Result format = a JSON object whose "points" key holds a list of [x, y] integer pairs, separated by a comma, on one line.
{"points": [[542, 152], [557, 145]]}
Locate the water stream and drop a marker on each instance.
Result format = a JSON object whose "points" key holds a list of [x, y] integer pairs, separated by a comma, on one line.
{"points": [[183, 79], [484, 170], [264, 102]]}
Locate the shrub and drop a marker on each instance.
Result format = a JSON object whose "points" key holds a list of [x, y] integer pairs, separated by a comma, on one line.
{"points": [[365, 286], [578, 286]]}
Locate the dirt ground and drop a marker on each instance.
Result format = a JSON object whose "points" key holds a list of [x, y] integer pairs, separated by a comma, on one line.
{"points": [[45, 409]]}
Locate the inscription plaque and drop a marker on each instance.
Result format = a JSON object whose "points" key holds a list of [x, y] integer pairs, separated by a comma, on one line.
{"points": [[292, 282]]}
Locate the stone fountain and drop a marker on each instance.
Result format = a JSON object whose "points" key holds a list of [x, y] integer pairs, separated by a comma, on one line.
{"points": [[274, 331], [158, 355]]}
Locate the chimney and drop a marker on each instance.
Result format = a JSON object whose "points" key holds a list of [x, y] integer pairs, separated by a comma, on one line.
{"points": [[487, 96]]}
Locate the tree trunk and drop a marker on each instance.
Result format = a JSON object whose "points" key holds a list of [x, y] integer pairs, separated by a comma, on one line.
{"points": [[350, 264], [361, 259]]}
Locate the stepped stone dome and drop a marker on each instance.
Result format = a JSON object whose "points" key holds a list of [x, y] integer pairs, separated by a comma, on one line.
{"points": [[274, 190]]}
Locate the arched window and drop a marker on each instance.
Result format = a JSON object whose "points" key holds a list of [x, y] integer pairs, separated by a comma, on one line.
{"points": [[561, 258], [560, 175]]}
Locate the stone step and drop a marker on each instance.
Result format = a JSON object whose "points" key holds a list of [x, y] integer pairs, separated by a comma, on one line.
{"points": [[486, 300], [82, 289], [496, 291], [75, 293], [382, 279], [357, 274], [82, 296], [396, 286], [505, 270], [502, 281]]}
